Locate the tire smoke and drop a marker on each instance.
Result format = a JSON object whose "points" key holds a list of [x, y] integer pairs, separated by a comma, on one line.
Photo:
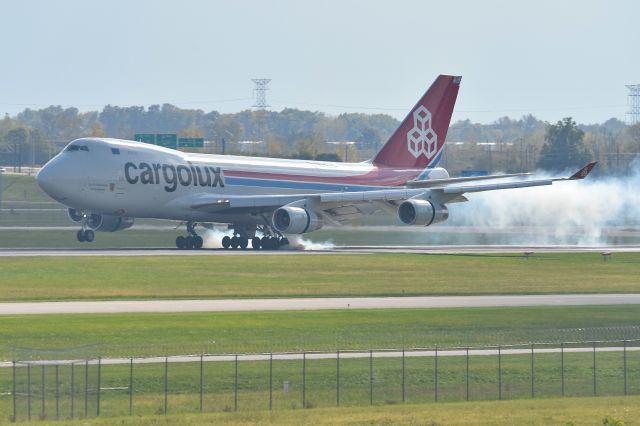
{"points": [[579, 212]]}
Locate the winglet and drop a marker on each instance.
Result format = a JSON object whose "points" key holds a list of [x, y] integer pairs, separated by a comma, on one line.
{"points": [[583, 172]]}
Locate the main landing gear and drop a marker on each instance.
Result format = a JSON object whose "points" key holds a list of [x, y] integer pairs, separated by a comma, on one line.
{"points": [[191, 241], [257, 243], [242, 237]]}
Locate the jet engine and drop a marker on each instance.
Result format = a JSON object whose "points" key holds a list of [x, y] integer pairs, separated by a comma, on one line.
{"points": [[422, 212], [108, 223], [75, 215], [295, 220]]}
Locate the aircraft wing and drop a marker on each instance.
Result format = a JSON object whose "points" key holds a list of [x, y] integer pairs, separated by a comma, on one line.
{"points": [[580, 174], [338, 207], [430, 183]]}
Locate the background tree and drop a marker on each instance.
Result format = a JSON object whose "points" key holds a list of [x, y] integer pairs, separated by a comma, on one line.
{"points": [[563, 148]]}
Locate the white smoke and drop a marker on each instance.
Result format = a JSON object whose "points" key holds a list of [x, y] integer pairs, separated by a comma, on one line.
{"points": [[574, 212], [297, 242], [212, 237]]}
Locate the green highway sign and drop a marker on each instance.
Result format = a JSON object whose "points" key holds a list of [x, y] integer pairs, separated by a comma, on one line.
{"points": [[145, 137], [190, 142], [167, 140]]}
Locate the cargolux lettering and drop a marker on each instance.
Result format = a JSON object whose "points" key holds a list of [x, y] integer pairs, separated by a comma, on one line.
{"points": [[170, 176]]}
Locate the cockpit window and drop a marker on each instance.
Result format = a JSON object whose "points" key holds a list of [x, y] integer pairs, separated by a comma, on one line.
{"points": [[77, 148]]}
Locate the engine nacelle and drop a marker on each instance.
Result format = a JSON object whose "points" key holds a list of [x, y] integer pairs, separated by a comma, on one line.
{"points": [[422, 212], [108, 223], [75, 215], [295, 220]]}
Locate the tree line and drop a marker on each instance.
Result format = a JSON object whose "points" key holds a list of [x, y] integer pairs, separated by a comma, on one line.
{"points": [[510, 145]]}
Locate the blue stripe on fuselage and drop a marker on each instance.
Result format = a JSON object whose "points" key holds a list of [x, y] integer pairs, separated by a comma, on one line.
{"points": [[288, 184], [425, 173]]}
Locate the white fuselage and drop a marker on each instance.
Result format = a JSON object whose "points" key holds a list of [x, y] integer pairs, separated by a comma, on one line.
{"points": [[125, 178]]}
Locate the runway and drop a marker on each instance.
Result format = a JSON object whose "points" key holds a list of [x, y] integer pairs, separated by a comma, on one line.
{"points": [[447, 249], [326, 303]]}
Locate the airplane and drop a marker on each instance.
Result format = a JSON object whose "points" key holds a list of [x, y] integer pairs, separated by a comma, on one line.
{"points": [[107, 183]]}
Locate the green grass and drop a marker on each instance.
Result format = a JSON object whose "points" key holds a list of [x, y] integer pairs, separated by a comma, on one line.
{"points": [[78, 336], [66, 238], [162, 277], [22, 188], [556, 411]]}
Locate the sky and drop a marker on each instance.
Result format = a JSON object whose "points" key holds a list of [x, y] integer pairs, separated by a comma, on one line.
{"points": [[549, 58]]}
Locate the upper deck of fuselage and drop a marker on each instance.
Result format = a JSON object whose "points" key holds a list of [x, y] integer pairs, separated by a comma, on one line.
{"points": [[154, 153]]}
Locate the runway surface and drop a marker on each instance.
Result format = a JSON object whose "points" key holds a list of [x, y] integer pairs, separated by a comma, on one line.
{"points": [[448, 249], [334, 355], [230, 305]]}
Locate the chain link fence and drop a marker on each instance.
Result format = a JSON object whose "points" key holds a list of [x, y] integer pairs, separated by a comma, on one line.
{"points": [[64, 389]]}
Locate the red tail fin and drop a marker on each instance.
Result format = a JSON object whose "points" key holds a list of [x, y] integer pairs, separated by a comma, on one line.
{"points": [[418, 141]]}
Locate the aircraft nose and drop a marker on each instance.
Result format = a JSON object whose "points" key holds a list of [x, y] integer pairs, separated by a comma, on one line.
{"points": [[48, 178]]}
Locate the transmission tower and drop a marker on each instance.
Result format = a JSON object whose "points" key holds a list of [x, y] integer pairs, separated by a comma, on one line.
{"points": [[634, 104], [261, 92]]}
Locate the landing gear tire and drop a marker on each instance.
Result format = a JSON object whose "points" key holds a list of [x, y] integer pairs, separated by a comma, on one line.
{"points": [[198, 242], [255, 243], [234, 243], [243, 242], [189, 243], [226, 241], [85, 236], [284, 242], [181, 242]]}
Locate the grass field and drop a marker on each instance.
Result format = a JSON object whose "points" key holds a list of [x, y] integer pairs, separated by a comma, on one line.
{"points": [[78, 336], [557, 411], [161, 277], [384, 381]]}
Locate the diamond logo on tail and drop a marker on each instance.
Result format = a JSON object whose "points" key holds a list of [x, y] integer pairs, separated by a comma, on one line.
{"points": [[422, 139]]}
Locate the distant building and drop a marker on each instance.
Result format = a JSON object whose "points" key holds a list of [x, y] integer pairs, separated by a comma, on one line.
{"points": [[252, 147]]}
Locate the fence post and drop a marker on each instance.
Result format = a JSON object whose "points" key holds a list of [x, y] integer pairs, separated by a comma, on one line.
{"points": [[29, 391], [73, 391], [235, 386], [594, 369], [533, 373], [499, 372], [42, 392], [98, 387], [131, 386], [403, 378], [57, 392], [86, 388], [270, 381], [562, 367], [370, 377], [338, 378], [166, 382], [304, 379], [13, 392], [467, 375], [201, 382], [435, 375], [625, 366]]}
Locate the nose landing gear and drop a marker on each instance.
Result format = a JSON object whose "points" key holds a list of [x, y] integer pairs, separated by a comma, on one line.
{"points": [[85, 235], [191, 241]]}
